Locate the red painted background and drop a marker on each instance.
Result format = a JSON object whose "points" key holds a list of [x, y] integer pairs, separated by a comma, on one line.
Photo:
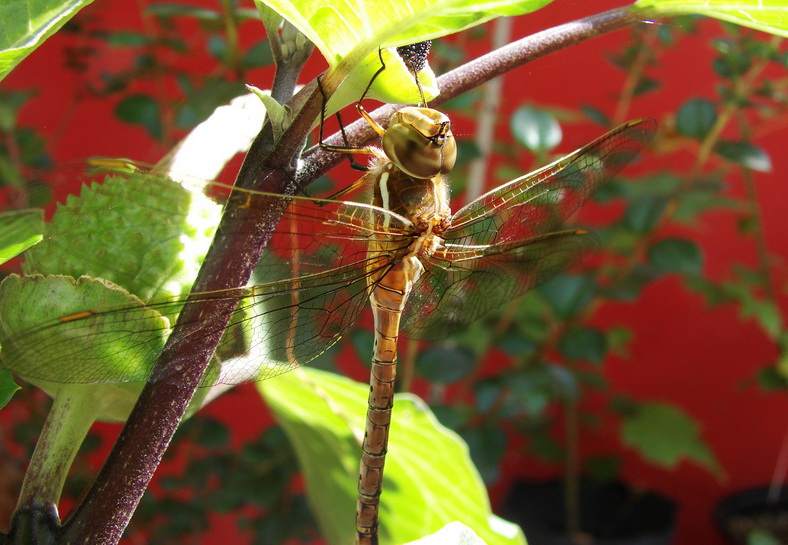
{"points": [[684, 352]]}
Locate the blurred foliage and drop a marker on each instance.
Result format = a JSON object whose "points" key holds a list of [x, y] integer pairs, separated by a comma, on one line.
{"points": [[548, 351], [256, 484]]}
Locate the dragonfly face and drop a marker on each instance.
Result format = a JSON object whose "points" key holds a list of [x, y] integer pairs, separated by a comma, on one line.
{"points": [[419, 142]]}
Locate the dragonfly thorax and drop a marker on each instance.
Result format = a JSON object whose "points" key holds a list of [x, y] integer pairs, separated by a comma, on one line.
{"points": [[419, 142]]}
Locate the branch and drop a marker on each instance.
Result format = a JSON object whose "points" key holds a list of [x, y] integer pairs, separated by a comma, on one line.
{"points": [[316, 162]]}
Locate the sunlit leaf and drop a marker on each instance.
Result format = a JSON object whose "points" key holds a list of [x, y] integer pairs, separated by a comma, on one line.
{"points": [[768, 16], [26, 24], [350, 33], [537, 130], [7, 387], [454, 532], [340, 29], [429, 480], [56, 296], [19, 230]]}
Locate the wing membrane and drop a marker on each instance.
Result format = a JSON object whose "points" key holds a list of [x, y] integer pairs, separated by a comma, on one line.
{"points": [[321, 248], [505, 242]]}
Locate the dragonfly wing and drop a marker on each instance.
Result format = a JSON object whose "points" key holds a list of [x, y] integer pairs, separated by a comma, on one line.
{"points": [[320, 248], [460, 286], [540, 201], [506, 241]]}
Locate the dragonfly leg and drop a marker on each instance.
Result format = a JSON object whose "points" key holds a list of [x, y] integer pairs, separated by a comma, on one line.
{"points": [[346, 148]]}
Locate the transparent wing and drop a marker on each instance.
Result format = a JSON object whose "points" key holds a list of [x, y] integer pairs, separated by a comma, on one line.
{"points": [[505, 242], [320, 248]]}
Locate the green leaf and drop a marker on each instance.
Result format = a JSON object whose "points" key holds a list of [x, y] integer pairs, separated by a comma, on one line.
{"points": [[537, 130], [644, 213], [631, 285], [429, 478], [203, 101], [19, 230], [762, 536], [664, 435], [487, 445], [529, 391], [696, 117], [745, 154], [37, 346], [445, 364], [704, 196], [602, 468], [145, 233], [454, 532], [172, 9], [349, 34], [768, 16], [766, 313], [359, 27], [583, 344], [141, 110], [7, 387], [771, 379], [568, 294], [675, 255], [26, 24], [211, 433]]}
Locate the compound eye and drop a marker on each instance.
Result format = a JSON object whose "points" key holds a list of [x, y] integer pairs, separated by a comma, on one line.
{"points": [[419, 146]]}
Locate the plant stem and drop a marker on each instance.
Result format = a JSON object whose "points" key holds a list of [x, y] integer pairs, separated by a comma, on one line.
{"points": [[476, 72], [485, 128], [635, 74], [68, 422]]}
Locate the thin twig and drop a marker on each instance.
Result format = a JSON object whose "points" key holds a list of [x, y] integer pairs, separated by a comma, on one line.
{"points": [[485, 128]]}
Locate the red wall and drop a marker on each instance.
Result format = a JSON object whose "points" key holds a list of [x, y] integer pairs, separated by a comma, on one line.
{"points": [[683, 352]]}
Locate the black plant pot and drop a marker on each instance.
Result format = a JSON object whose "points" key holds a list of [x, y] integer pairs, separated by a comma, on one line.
{"points": [[610, 514], [753, 509]]}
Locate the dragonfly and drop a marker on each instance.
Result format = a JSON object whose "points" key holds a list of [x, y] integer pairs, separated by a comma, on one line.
{"points": [[424, 269]]}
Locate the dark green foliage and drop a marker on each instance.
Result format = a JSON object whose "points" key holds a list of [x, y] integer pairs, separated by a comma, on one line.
{"points": [[445, 364], [675, 255], [253, 484], [141, 110], [696, 117], [745, 154], [583, 344]]}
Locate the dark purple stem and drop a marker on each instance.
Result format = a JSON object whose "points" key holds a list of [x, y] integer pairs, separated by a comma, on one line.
{"points": [[109, 504]]}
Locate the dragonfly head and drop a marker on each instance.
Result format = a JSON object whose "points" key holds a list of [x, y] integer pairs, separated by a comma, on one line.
{"points": [[420, 143]]}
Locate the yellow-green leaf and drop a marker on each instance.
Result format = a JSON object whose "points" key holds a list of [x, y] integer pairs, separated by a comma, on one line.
{"points": [[26, 24], [766, 15], [19, 230], [429, 481]]}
